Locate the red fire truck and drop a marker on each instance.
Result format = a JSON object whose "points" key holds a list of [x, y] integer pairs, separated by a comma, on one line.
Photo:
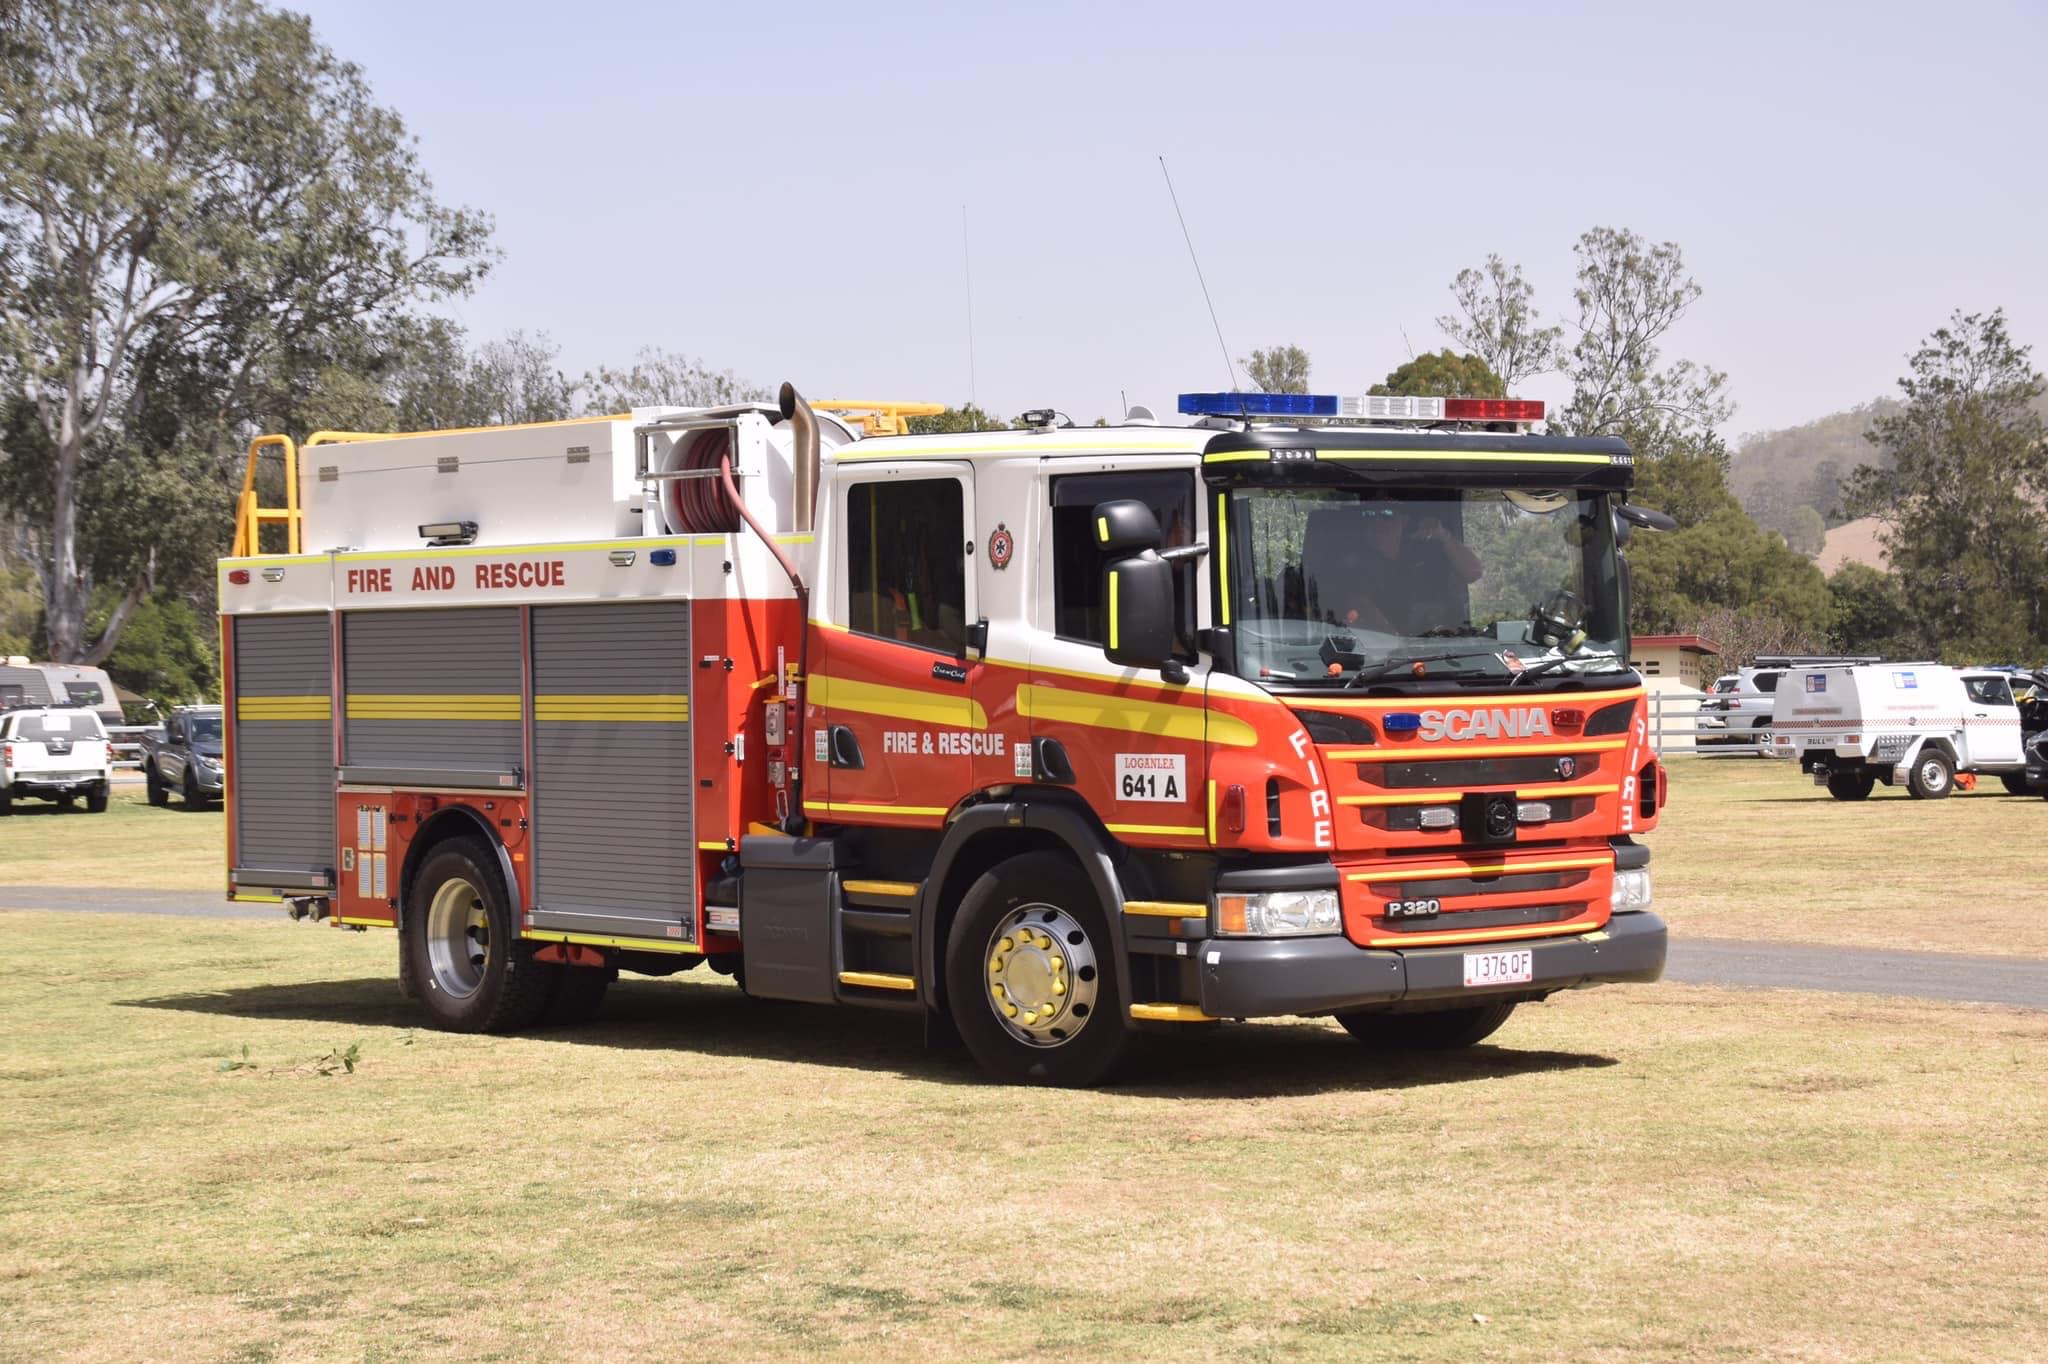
{"points": [[1308, 706]]}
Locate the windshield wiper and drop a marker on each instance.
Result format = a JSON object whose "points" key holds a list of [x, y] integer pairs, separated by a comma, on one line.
{"points": [[1553, 664], [1373, 672]]}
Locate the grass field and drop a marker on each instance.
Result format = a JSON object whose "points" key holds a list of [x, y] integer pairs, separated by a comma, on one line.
{"points": [[1751, 848], [1649, 1173], [1748, 849], [132, 845]]}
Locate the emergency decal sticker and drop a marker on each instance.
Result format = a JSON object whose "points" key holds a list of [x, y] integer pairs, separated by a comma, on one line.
{"points": [[1020, 760], [1001, 545], [1152, 776], [821, 746], [1816, 681]]}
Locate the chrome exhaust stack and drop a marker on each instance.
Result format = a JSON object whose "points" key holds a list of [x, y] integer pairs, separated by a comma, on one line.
{"points": [[806, 455]]}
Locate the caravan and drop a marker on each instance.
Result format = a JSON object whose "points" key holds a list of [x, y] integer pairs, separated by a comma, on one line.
{"points": [[1916, 723]]}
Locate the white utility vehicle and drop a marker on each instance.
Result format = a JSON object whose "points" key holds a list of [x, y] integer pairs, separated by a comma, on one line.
{"points": [[56, 754], [1917, 723]]}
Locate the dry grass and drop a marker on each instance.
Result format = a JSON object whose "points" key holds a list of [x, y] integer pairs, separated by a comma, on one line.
{"points": [[1751, 848], [1652, 1173], [131, 846]]}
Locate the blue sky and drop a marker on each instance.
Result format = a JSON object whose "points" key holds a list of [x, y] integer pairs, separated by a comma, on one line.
{"points": [[780, 188]]}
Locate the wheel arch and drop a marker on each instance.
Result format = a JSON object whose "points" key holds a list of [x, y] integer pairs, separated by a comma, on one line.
{"points": [[449, 822], [984, 835]]}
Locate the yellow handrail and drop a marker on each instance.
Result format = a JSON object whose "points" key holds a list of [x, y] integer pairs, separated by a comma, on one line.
{"points": [[880, 418], [251, 516]]}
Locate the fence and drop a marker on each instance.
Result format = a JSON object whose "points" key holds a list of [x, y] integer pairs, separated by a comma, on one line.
{"points": [[1675, 728]]}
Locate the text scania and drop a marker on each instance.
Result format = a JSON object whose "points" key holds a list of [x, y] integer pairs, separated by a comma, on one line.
{"points": [[1527, 723]]}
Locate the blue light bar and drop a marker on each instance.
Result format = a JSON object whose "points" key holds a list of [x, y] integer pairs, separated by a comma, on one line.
{"points": [[1258, 404]]}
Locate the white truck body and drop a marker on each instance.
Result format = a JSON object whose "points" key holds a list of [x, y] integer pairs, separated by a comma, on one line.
{"points": [[53, 754], [1911, 723]]}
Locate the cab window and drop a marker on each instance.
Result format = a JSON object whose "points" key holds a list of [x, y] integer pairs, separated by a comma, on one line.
{"points": [[906, 570], [1077, 565], [1988, 691]]}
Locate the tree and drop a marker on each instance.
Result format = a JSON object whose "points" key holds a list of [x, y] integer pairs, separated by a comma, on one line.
{"points": [[192, 192], [1964, 503], [1445, 374], [1869, 612], [166, 654], [1743, 635], [1283, 369], [1806, 530], [1497, 321], [966, 417], [660, 378], [1629, 295]]}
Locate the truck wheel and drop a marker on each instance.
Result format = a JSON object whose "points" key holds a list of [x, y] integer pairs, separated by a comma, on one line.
{"points": [[158, 793], [1029, 979], [1441, 1030], [96, 801], [193, 799], [1850, 785], [472, 970], [6, 803], [2015, 783], [1933, 775], [578, 995]]}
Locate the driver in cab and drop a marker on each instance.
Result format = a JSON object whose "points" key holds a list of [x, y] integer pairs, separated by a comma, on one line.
{"points": [[1405, 573]]}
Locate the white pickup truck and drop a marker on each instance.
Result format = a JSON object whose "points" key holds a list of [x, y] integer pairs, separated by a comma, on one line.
{"points": [[1916, 723], [56, 754]]}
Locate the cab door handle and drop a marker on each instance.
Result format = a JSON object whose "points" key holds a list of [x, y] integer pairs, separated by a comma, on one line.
{"points": [[845, 748]]}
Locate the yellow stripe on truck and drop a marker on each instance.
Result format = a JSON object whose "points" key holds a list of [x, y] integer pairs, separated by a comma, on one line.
{"points": [[453, 706], [1159, 719], [903, 703], [284, 708], [627, 709]]}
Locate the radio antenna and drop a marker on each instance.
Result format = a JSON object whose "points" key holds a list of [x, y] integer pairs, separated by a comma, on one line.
{"points": [[967, 261], [1229, 366]]}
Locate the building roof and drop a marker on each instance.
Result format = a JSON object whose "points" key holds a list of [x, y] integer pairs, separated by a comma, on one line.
{"points": [[1698, 644]]}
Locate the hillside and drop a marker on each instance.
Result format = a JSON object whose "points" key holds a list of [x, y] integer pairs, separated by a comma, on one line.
{"points": [[1774, 473]]}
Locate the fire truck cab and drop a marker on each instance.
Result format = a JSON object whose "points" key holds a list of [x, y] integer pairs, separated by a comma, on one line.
{"points": [[1059, 736]]}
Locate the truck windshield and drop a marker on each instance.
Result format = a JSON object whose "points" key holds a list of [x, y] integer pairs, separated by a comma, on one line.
{"points": [[204, 729], [78, 724], [1344, 584]]}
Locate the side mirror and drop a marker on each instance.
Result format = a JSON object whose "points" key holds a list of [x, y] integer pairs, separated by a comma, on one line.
{"points": [[1125, 526], [1137, 595]]}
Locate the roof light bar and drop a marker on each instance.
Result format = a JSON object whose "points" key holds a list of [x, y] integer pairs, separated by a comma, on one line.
{"points": [[1367, 408], [1259, 404]]}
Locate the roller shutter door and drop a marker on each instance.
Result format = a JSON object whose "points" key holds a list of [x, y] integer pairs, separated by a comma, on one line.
{"points": [[282, 782], [433, 696], [613, 837]]}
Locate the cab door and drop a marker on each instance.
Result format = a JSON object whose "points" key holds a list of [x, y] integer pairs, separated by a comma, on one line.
{"points": [[1991, 722], [1130, 743], [891, 721]]}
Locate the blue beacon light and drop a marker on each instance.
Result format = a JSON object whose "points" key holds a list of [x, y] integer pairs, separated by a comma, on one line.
{"points": [[1258, 404]]}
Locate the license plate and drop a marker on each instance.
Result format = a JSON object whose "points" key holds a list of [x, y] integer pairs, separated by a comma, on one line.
{"points": [[1499, 968]]}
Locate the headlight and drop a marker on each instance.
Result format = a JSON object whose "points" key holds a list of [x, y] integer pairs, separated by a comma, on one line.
{"points": [[1278, 914], [1631, 890]]}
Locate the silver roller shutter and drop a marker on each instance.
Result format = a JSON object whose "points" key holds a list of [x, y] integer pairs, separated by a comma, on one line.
{"points": [[433, 697], [282, 780], [613, 838]]}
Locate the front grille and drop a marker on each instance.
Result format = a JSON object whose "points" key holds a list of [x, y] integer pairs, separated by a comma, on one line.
{"points": [[1446, 886], [1482, 918], [1464, 772]]}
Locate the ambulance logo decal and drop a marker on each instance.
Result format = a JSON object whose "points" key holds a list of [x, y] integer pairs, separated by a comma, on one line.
{"points": [[1001, 545]]}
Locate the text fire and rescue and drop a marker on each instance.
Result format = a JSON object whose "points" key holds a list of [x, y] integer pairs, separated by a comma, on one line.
{"points": [[441, 577]]}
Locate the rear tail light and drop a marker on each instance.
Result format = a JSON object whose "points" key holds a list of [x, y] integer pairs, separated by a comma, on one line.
{"points": [[239, 577]]}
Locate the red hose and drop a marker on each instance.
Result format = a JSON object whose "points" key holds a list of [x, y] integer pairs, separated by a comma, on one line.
{"points": [[699, 506]]}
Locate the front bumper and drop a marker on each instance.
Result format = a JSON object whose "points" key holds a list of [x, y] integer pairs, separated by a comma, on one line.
{"points": [[210, 782], [1263, 977]]}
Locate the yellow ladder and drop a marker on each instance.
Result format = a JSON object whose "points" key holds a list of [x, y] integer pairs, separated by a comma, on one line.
{"points": [[880, 419], [251, 517]]}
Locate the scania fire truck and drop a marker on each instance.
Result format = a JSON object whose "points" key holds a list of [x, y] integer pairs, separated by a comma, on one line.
{"points": [[1058, 737]]}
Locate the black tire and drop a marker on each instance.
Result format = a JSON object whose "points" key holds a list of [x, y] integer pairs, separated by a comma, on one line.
{"points": [[472, 971], [1933, 777], [1850, 785], [194, 799], [1083, 1036], [96, 802], [1441, 1030], [2015, 783], [578, 995], [159, 794], [6, 803]]}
